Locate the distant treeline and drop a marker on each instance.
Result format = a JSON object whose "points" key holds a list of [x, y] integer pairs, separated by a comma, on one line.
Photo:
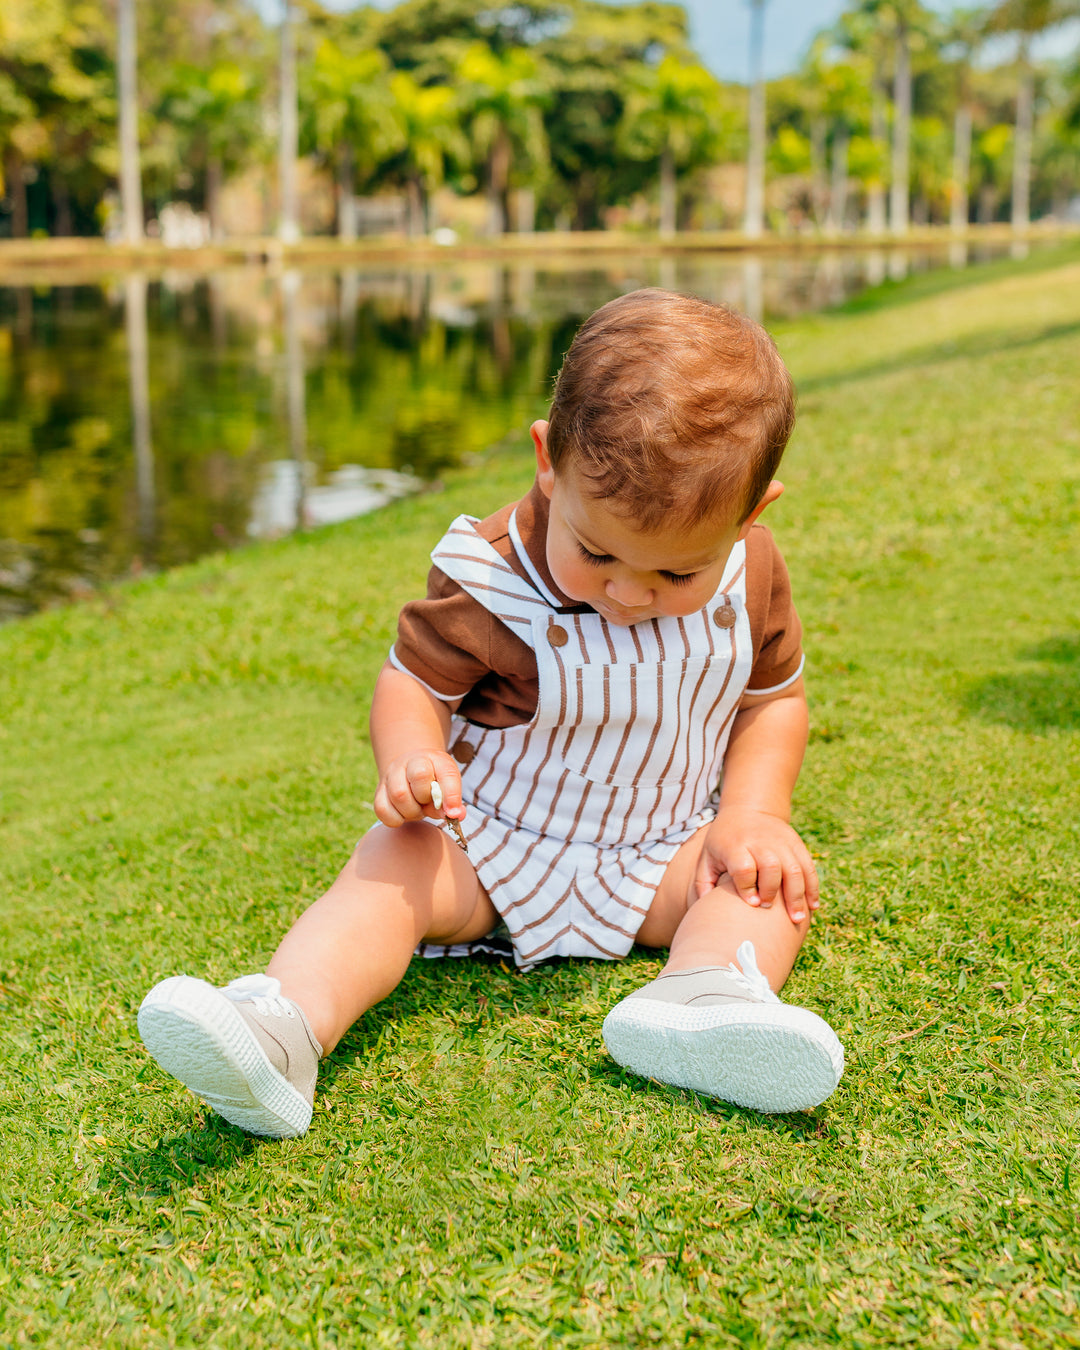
{"points": [[555, 113]]}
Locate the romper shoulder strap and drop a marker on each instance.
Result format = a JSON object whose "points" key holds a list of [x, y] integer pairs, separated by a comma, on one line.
{"points": [[734, 579], [475, 565]]}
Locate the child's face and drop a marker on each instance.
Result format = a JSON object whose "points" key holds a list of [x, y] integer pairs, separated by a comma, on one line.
{"points": [[599, 558]]}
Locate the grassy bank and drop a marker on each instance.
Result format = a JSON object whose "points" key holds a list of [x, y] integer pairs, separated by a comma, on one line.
{"points": [[183, 765], [63, 261]]}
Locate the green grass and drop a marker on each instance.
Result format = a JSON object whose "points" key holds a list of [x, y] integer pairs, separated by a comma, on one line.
{"points": [[183, 765]]}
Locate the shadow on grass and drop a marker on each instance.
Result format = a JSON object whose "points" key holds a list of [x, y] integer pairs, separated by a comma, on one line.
{"points": [[1043, 696], [180, 1159], [798, 1125], [891, 294], [977, 345]]}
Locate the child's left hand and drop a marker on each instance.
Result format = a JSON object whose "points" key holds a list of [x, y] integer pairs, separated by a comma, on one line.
{"points": [[764, 857]]}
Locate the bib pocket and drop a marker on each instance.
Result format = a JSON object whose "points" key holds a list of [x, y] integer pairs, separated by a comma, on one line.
{"points": [[642, 725]]}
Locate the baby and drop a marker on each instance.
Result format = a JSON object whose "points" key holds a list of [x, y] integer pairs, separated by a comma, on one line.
{"points": [[602, 694]]}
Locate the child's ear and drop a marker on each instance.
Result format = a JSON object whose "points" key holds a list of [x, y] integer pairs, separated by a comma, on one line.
{"points": [[545, 474], [771, 493]]}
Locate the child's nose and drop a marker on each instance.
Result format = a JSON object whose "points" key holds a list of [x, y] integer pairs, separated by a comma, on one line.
{"points": [[628, 590]]}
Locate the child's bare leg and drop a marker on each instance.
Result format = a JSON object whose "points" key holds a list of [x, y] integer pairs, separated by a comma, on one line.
{"points": [[351, 947], [709, 1021], [709, 931], [251, 1049]]}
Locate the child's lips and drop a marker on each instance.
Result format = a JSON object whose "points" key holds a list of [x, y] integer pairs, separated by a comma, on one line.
{"points": [[623, 616]]}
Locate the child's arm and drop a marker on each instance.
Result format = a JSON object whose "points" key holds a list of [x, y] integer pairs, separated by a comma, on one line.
{"points": [[409, 732], [751, 839]]}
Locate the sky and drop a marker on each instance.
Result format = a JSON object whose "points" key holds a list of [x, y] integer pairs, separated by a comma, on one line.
{"points": [[720, 32]]}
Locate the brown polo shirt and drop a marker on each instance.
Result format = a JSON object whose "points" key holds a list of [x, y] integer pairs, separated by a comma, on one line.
{"points": [[458, 649]]}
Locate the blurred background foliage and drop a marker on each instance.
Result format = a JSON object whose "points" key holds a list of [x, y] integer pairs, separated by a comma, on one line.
{"points": [[537, 115]]}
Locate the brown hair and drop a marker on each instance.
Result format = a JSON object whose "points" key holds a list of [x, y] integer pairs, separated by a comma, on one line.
{"points": [[672, 406]]}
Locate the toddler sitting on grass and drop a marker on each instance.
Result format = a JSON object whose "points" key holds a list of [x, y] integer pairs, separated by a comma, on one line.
{"points": [[602, 694]]}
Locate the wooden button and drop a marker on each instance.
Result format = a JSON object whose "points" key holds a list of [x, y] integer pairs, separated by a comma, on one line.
{"points": [[463, 752], [557, 637], [724, 616]]}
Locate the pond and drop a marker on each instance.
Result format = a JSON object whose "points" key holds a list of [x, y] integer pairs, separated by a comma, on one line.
{"points": [[146, 422]]}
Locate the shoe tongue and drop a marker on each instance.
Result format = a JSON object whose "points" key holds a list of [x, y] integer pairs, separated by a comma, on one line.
{"points": [[252, 986]]}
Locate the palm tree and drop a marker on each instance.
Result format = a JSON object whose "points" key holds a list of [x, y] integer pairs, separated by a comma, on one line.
{"points": [[504, 94], [964, 35], [861, 33], [349, 116], [288, 131], [1026, 19], [215, 116], [130, 177], [672, 113], [754, 217], [431, 134]]}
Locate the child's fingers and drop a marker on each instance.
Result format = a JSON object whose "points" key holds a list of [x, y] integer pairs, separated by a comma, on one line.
{"points": [[385, 809], [795, 893], [745, 873], [770, 876], [419, 777], [810, 876], [405, 791], [445, 789]]}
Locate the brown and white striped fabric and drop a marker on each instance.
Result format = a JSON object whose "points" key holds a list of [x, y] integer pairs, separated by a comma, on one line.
{"points": [[574, 816]]}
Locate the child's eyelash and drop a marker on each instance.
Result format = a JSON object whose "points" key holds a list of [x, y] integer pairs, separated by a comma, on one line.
{"points": [[598, 559]]}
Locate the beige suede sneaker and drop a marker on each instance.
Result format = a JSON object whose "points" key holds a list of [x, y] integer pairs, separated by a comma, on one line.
{"points": [[245, 1049], [721, 1031]]}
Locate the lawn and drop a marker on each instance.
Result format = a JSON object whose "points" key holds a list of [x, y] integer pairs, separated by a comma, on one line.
{"points": [[184, 764]]}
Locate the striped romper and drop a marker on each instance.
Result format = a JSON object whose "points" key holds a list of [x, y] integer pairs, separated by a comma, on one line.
{"points": [[573, 817]]}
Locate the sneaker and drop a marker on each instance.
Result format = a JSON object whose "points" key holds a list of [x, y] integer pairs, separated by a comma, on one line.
{"points": [[721, 1031], [245, 1049]]}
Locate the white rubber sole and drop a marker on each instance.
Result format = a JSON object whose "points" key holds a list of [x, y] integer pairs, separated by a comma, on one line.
{"points": [[196, 1034], [766, 1056]]}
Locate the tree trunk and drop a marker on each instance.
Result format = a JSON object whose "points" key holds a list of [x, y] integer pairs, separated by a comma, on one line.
{"points": [[838, 188], [346, 195], [414, 207], [498, 182], [214, 177], [819, 187], [526, 210], [668, 220], [63, 224], [16, 188], [754, 218], [875, 188], [961, 170], [1021, 181], [288, 223], [899, 194], [131, 203]]}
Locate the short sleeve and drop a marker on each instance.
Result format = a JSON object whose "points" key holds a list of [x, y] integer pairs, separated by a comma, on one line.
{"points": [[444, 640], [775, 628]]}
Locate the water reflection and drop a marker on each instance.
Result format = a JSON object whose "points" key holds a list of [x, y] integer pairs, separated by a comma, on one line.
{"points": [[150, 423], [139, 384]]}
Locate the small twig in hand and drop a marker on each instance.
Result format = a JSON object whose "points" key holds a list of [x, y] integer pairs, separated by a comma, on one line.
{"points": [[437, 801]]}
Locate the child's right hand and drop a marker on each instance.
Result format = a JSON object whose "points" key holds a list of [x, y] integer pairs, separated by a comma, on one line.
{"points": [[405, 790]]}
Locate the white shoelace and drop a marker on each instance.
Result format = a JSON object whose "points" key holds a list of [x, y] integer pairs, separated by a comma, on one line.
{"points": [[263, 991], [750, 977]]}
